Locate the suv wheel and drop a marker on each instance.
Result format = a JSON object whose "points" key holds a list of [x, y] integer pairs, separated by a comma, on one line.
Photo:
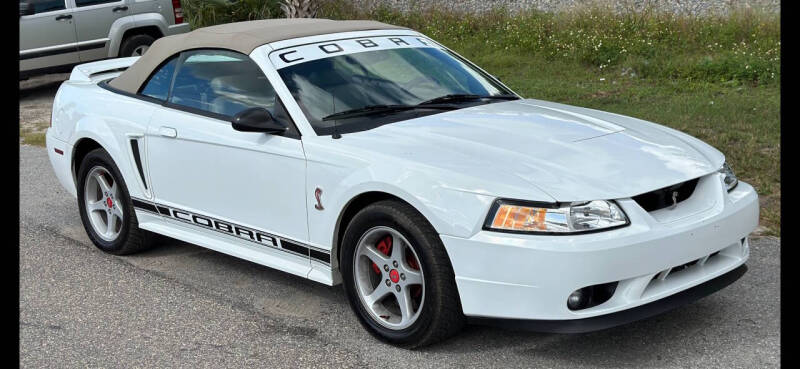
{"points": [[135, 45]]}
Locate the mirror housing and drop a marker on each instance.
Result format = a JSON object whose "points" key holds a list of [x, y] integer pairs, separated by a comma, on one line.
{"points": [[257, 120], [26, 8]]}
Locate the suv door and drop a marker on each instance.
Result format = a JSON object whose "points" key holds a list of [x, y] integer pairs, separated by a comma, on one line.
{"points": [[93, 20], [200, 165], [47, 37]]}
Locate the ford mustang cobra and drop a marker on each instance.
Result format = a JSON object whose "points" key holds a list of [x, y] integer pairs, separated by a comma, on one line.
{"points": [[370, 155]]}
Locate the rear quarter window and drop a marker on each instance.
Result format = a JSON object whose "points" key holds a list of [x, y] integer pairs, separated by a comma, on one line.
{"points": [[158, 85]]}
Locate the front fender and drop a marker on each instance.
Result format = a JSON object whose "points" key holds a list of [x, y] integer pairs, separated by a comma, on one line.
{"points": [[343, 176]]}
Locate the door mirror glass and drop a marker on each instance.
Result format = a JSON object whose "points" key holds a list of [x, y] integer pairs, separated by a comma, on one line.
{"points": [[26, 8], [257, 120]]}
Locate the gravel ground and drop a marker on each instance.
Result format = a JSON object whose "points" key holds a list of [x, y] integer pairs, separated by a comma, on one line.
{"points": [[180, 305], [685, 7]]}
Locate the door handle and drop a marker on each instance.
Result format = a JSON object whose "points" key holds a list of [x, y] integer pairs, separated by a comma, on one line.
{"points": [[118, 9], [64, 17], [168, 132]]}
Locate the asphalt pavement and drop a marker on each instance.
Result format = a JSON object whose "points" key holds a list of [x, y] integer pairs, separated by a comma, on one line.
{"points": [[181, 305]]}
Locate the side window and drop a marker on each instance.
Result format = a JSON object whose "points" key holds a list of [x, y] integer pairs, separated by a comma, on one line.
{"points": [[94, 2], [42, 6], [158, 85], [223, 82]]}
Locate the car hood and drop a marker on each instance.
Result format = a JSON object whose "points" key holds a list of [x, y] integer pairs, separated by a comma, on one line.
{"points": [[510, 148]]}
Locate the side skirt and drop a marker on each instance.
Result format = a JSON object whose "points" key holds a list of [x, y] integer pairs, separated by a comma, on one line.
{"points": [[226, 237]]}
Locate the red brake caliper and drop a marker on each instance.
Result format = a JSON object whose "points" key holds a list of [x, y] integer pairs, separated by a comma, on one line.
{"points": [[385, 246]]}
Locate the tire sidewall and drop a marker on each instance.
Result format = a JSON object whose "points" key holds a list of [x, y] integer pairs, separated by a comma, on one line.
{"points": [[368, 218], [134, 41], [100, 157]]}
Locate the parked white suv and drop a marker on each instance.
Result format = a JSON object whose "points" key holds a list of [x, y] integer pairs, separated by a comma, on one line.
{"points": [[55, 35]]}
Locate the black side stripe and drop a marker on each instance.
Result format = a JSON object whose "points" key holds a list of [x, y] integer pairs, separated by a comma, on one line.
{"points": [[291, 246], [63, 50], [319, 255], [259, 237], [144, 205], [138, 160]]}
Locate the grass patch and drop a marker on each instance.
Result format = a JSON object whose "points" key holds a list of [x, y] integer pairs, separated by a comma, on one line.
{"points": [[716, 78], [32, 138]]}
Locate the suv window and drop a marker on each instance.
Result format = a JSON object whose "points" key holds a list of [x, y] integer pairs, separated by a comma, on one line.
{"points": [[41, 6], [94, 2], [157, 86], [222, 82]]}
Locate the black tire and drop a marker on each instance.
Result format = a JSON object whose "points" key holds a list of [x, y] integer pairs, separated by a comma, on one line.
{"points": [[131, 239], [132, 42], [441, 315]]}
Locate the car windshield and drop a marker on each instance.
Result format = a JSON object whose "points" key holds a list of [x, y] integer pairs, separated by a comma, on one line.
{"points": [[362, 90]]}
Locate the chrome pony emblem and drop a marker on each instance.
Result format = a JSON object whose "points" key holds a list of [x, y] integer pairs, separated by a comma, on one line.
{"points": [[674, 200]]}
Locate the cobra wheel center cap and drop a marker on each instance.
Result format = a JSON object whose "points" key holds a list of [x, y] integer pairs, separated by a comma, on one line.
{"points": [[394, 276], [109, 202]]}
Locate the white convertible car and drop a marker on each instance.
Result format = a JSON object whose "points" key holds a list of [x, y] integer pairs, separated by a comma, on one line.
{"points": [[367, 154]]}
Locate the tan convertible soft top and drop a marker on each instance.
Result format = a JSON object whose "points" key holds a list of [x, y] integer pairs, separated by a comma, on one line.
{"points": [[241, 36]]}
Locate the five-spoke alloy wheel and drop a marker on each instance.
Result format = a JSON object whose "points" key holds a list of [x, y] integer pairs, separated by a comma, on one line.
{"points": [[101, 198], [388, 278]]}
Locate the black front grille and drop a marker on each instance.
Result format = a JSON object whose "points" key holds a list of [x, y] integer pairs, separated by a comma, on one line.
{"points": [[662, 198]]}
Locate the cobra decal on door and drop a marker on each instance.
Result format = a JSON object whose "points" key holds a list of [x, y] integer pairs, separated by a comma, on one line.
{"points": [[232, 229]]}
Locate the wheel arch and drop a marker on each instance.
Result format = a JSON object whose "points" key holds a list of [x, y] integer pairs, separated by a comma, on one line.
{"points": [[81, 148], [126, 26], [354, 205]]}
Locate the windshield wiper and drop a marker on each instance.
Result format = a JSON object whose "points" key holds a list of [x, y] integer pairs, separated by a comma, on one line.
{"points": [[379, 109], [466, 97]]}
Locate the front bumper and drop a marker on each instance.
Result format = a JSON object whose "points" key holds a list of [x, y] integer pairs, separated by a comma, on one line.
{"points": [[529, 277], [621, 317]]}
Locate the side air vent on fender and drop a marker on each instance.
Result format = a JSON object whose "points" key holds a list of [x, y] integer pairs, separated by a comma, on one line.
{"points": [[138, 159]]}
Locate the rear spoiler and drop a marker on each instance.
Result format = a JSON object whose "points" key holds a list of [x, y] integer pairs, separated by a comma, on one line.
{"points": [[85, 72]]}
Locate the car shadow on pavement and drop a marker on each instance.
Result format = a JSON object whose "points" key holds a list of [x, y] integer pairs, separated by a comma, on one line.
{"points": [[647, 342]]}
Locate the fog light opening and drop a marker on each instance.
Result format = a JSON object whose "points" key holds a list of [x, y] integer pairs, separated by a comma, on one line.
{"points": [[591, 296]]}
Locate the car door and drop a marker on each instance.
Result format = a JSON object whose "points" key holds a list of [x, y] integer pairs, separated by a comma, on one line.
{"points": [[47, 36], [201, 165], [93, 20]]}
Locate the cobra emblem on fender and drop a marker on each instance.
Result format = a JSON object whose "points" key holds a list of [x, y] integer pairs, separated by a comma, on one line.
{"points": [[318, 196]]}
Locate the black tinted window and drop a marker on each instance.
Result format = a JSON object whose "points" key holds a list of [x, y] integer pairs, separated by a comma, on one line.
{"points": [[94, 2], [158, 85], [41, 6], [221, 82]]}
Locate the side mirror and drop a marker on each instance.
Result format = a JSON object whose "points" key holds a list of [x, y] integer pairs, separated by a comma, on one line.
{"points": [[26, 8], [257, 120]]}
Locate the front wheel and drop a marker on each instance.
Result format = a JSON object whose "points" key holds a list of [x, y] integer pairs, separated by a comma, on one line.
{"points": [[397, 276]]}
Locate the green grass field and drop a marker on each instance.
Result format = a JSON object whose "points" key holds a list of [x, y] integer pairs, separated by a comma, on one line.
{"points": [[716, 78]]}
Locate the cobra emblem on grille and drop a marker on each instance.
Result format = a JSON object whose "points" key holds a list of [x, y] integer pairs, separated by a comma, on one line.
{"points": [[674, 200]]}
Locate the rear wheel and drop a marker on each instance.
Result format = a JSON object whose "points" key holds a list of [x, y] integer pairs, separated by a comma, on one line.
{"points": [[135, 45], [397, 276], [106, 209]]}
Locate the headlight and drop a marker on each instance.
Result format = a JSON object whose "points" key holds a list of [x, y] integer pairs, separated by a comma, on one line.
{"points": [[576, 217], [728, 177]]}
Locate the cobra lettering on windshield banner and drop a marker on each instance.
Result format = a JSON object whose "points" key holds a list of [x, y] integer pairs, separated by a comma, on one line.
{"points": [[300, 54]]}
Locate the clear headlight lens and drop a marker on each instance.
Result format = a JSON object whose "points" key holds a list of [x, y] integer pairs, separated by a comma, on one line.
{"points": [[728, 177], [576, 217]]}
